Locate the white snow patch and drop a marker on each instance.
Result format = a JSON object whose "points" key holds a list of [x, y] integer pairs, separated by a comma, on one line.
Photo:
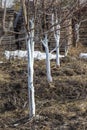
{"points": [[1, 62], [83, 55], [23, 54], [15, 54]]}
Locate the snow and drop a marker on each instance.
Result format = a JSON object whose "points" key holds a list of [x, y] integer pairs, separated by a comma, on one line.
{"points": [[83, 55], [1, 62], [15, 54], [23, 54]]}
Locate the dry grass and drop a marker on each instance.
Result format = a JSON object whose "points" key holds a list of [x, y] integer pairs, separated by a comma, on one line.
{"points": [[4, 77], [63, 102]]}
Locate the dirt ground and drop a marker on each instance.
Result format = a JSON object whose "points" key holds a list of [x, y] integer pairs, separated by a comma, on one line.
{"points": [[60, 105]]}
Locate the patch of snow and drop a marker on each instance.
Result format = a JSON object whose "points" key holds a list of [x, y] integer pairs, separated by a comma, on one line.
{"points": [[83, 55], [15, 54], [23, 54], [1, 62]]}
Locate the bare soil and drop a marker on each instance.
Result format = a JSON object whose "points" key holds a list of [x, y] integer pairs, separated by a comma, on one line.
{"points": [[60, 105]]}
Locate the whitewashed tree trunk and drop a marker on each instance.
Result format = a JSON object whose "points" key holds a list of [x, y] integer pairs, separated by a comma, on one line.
{"points": [[66, 50], [48, 68], [57, 39], [53, 22], [30, 48], [77, 32]]}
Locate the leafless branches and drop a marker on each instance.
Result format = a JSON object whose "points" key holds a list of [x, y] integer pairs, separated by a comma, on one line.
{"points": [[42, 12]]}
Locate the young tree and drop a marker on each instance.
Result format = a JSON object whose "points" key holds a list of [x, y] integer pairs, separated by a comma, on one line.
{"points": [[45, 44], [29, 25], [57, 38]]}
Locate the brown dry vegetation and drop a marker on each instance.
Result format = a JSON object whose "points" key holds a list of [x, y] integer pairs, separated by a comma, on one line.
{"points": [[60, 105]]}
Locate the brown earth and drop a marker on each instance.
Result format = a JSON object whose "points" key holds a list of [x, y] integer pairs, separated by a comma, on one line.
{"points": [[60, 105]]}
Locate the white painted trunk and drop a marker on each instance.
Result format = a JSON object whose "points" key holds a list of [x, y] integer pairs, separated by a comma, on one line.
{"points": [[57, 39], [53, 22], [48, 68], [30, 47], [66, 50], [77, 32], [32, 42], [49, 77]]}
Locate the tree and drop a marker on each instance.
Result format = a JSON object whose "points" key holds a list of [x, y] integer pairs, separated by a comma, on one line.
{"points": [[29, 25]]}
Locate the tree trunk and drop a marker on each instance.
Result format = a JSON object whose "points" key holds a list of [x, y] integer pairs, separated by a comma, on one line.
{"points": [[45, 43], [57, 39], [30, 48]]}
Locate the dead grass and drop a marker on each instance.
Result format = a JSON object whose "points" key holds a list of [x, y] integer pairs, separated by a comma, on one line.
{"points": [[4, 77], [63, 102]]}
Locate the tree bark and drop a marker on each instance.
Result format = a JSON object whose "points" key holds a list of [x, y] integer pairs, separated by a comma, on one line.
{"points": [[30, 48], [45, 43]]}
